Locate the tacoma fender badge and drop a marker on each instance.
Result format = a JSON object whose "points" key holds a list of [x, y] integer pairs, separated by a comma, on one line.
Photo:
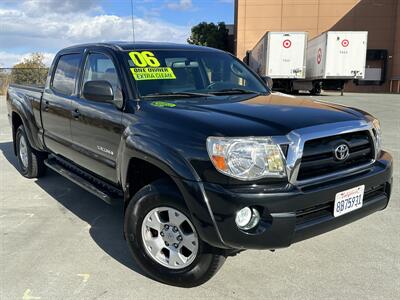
{"points": [[102, 149]]}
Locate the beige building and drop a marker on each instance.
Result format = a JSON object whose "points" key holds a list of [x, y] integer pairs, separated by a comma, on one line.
{"points": [[381, 18]]}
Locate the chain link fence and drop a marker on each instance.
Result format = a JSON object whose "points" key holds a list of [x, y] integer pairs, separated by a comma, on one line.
{"points": [[26, 76]]}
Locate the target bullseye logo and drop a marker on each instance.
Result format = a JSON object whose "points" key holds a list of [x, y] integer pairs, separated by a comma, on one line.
{"points": [[287, 44], [319, 56], [345, 42]]}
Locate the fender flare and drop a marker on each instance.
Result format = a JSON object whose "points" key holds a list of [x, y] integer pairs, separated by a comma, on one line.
{"points": [[181, 172], [25, 112], [152, 151]]}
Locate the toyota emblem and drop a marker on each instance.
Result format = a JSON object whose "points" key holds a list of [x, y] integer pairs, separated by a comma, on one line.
{"points": [[342, 152]]}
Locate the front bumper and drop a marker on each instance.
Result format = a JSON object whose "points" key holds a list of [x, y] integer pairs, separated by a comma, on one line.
{"points": [[293, 213]]}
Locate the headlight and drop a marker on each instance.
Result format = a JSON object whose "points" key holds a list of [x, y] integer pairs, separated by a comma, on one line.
{"points": [[378, 135], [246, 158]]}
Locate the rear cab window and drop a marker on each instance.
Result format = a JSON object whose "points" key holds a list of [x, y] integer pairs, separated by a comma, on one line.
{"points": [[66, 74]]}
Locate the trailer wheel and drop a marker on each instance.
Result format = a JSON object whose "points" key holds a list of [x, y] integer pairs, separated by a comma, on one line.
{"points": [[316, 90]]}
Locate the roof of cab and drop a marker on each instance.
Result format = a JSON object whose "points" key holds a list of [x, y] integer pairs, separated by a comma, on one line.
{"points": [[123, 46]]}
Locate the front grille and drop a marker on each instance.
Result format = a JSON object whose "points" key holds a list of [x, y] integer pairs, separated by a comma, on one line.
{"points": [[319, 159]]}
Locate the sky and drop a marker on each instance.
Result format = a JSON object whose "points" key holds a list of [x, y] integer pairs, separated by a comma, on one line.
{"points": [[47, 26]]}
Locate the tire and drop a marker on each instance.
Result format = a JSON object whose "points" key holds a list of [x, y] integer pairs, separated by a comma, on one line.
{"points": [[202, 262], [30, 162], [316, 91]]}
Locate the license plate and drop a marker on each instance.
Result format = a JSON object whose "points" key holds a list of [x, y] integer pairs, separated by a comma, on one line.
{"points": [[348, 200]]}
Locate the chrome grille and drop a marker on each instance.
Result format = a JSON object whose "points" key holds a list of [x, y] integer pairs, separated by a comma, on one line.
{"points": [[318, 157]]}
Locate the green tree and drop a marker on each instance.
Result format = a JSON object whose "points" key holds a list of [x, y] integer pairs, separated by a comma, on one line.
{"points": [[210, 35], [31, 70]]}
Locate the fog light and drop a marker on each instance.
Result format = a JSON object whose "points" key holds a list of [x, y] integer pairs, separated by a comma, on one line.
{"points": [[247, 218]]}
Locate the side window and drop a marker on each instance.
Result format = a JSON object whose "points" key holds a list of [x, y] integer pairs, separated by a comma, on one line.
{"points": [[100, 67], [66, 74]]}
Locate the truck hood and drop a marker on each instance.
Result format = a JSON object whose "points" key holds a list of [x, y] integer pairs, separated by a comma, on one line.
{"points": [[246, 115]]}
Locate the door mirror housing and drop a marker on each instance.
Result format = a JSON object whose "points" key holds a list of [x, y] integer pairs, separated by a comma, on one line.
{"points": [[268, 81], [98, 90]]}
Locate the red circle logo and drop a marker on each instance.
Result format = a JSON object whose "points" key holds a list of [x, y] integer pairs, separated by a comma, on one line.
{"points": [[319, 56], [345, 42], [287, 44]]}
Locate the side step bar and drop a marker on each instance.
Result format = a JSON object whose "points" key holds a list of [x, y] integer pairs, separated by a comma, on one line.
{"points": [[93, 185]]}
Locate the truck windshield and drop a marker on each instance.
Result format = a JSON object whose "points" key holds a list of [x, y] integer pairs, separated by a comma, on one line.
{"points": [[190, 74]]}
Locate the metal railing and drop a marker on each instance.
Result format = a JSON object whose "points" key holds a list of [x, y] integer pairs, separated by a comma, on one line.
{"points": [[25, 76]]}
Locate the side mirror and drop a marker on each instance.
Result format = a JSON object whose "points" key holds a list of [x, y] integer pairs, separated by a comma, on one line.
{"points": [[98, 90], [268, 81]]}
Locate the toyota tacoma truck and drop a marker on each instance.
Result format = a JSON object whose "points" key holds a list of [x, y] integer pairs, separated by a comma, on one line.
{"points": [[207, 161]]}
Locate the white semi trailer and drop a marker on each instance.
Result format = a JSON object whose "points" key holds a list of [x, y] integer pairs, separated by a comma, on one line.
{"points": [[335, 57], [281, 56], [327, 61]]}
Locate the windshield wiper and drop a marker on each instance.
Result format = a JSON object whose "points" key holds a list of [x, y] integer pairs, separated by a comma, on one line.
{"points": [[234, 91], [177, 94]]}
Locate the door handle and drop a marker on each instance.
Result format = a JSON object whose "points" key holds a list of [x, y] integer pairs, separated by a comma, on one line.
{"points": [[76, 114], [46, 106]]}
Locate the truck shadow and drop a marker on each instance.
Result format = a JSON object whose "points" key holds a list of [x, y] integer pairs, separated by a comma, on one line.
{"points": [[105, 221]]}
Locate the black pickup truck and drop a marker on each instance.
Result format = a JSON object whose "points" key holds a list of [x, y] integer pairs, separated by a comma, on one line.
{"points": [[207, 161]]}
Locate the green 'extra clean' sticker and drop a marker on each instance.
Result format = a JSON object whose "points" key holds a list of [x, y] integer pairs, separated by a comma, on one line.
{"points": [[152, 73], [162, 104]]}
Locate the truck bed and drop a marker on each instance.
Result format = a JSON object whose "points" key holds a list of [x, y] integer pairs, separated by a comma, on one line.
{"points": [[32, 88], [28, 97]]}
